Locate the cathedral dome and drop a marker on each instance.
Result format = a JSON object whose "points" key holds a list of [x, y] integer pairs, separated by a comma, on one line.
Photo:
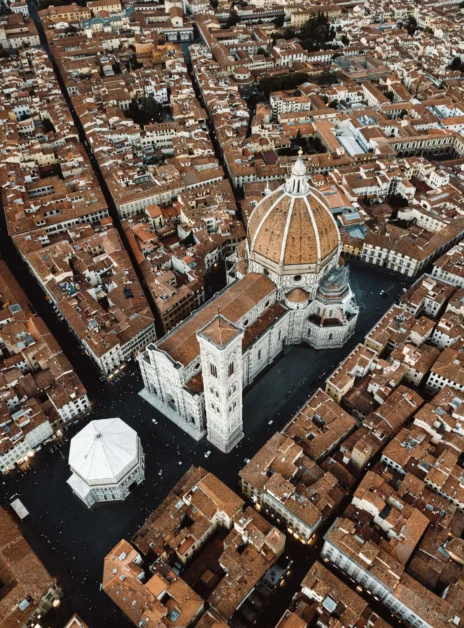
{"points": [[292, 230]]}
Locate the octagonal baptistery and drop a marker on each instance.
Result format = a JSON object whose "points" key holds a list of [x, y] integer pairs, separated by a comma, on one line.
{"points": [[106, 461], [292, 236]]}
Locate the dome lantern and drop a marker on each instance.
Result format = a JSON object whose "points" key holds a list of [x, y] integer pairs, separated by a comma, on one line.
{"points": [[297, 184]]}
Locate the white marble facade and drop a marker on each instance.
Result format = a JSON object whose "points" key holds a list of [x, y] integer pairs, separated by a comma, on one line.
{"points": [[286, 286]]}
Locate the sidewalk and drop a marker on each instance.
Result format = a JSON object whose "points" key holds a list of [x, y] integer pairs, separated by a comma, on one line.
{"points": [[171, 415]]}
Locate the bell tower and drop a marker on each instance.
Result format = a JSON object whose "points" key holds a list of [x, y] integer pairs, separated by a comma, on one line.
{"points": [[221, 364]]}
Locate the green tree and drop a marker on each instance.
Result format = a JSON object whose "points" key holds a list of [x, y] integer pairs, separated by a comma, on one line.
{"points": [[317, 32], [456, 64], [261, 51], [411, 25], [279, 21], [282, 82], [233, 19], [288, 33], [327, 77], [214, 3], [344, 39], [397, 201]]}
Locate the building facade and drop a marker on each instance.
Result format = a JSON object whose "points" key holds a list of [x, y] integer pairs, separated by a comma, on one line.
{"points": [[286, 286]]}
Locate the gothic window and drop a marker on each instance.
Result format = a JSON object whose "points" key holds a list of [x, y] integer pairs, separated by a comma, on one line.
{"points": [[330, 336], [231, 369], [280, 333], [259, 354], [211, 391], [213, 370]]}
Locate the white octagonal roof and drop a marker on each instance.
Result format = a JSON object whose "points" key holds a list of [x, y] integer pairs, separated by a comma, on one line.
{"points": [[102, 449]]}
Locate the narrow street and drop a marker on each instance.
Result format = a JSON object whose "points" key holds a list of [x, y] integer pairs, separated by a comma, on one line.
{"points": [[104, 187]]}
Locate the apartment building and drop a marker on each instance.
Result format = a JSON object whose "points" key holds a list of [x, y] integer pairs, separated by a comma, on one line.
{"points": [[41, 394], [285, 484], [197, 509], [29, 591]]}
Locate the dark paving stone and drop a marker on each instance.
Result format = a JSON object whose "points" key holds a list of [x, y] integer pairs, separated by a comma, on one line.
{"points": [[72, 540]]}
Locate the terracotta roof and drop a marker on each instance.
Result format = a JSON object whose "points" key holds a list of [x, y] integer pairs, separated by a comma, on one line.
{"points": [[297, 295], [22, 574], [234, 303], [220, 331]]}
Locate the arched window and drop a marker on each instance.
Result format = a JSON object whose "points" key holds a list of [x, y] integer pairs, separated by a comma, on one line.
{"points": [[231, 369], [213, 370]]}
